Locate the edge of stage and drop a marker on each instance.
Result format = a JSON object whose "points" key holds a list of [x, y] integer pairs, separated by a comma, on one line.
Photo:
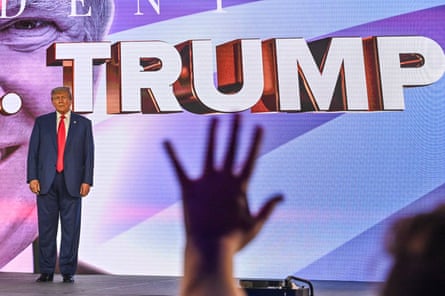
{"points": [[24, 284]]}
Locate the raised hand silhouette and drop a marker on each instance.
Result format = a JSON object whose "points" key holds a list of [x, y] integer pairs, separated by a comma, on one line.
{"points": [[218, 221]]}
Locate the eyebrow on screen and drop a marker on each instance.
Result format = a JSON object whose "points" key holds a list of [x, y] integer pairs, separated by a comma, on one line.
{"points": [[50, 8]]}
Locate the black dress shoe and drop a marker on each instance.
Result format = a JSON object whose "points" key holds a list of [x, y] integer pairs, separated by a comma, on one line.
{"points": [[68, 278], [45, 277]]}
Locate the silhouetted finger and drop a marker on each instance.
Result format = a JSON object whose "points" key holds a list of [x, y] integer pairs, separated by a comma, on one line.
{"points": [[180, 172], [262, 216], [267, 209], [231, 149], [253, 153], [209, 162]]}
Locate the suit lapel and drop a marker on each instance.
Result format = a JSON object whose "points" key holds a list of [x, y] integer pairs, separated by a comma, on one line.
{"points": [[72, 129], [52, 128]]}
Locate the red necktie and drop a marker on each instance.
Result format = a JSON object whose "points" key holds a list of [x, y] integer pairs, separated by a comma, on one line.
{"points": [[61, 135]]}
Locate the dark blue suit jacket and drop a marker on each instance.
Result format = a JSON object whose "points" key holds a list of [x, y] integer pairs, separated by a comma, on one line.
{"points": [[78, 158]]}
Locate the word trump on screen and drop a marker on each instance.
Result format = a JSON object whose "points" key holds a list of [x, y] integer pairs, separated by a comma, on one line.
{"points": [[275, 75]]}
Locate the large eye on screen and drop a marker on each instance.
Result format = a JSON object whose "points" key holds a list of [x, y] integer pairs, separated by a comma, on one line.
{"points": [[28, 34]]}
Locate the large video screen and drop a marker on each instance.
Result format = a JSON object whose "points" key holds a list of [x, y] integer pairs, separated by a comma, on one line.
{"points": [[350, 95]]}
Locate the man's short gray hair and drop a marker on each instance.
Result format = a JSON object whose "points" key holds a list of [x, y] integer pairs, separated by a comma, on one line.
{"points": [[60, 89]]}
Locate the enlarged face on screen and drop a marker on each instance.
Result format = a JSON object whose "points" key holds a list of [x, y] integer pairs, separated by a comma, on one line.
{"points": [[28, 29]]}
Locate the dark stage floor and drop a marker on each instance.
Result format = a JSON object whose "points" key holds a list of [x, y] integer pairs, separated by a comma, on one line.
{"points": [[24, 284]]}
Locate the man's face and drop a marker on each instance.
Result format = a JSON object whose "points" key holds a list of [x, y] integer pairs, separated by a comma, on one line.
{"points": [[23, 43], [61, 101]]}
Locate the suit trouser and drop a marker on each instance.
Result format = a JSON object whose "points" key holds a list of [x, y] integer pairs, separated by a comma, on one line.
{"points": [[49, 206]]}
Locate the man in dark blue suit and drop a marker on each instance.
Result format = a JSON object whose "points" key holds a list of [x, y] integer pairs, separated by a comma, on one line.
{"points": [[60, 172]]}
